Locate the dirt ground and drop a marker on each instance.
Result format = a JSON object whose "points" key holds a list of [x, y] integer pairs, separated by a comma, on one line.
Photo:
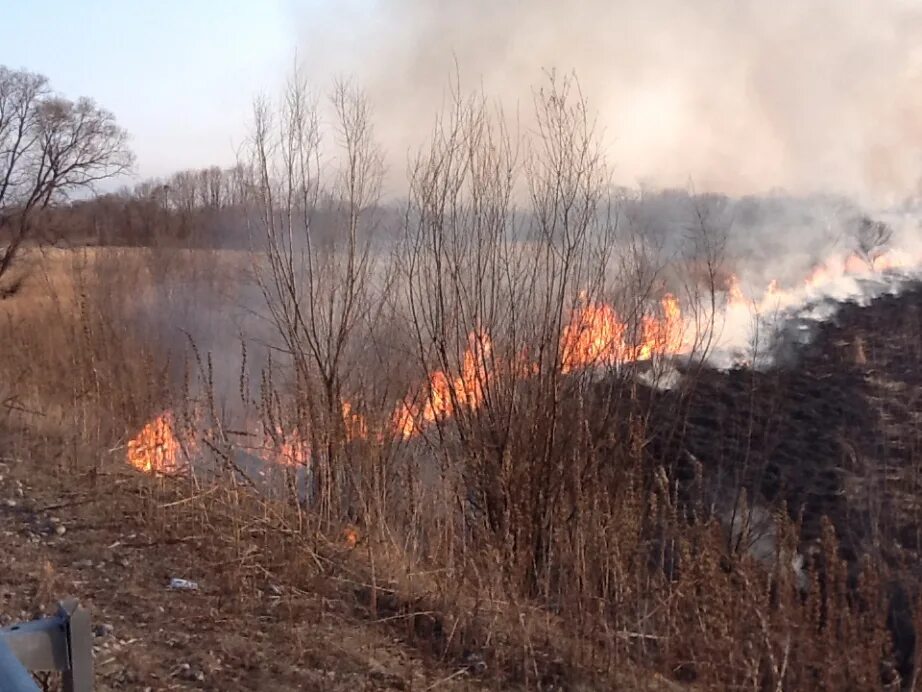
{"points": [[64, 536]]}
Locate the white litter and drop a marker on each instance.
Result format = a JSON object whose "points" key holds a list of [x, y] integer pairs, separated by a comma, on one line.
{"points": [[176, 583]]}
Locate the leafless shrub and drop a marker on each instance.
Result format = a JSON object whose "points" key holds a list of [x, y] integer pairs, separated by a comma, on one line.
{"points": [[871, 239], [317, 288]]}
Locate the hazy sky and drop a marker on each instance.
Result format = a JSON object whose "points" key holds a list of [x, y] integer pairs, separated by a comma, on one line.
{"points": [[731, 95]]}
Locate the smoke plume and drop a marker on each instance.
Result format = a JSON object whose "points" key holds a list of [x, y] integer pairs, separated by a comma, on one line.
{"points": [[737, 97]]}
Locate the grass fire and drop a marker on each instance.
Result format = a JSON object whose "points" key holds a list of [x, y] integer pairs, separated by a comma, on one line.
{"points": [[605, 379]]}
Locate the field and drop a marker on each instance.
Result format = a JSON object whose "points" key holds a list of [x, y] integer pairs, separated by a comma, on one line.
{"points": [[150, 411], [77, 381], [88, 359], [521, 358]]}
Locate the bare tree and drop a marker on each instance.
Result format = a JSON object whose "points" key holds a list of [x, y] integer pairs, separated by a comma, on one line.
{"points": [[490, 290], [50, 148], [317, 285]]}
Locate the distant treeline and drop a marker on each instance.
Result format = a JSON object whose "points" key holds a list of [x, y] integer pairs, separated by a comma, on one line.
{"points": [[205, 207], [195, 208], [208, 207]]}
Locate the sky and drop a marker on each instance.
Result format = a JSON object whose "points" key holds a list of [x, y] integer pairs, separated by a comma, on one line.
{"points": [[734, 96], [179, 75]]}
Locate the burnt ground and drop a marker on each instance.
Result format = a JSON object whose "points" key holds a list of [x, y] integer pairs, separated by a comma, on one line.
{"points": [[835, 430], [65, 535]]}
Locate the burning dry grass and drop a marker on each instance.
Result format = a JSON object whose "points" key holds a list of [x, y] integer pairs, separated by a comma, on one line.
{"points": [[93, 343], [157, 447], [519, 557]]}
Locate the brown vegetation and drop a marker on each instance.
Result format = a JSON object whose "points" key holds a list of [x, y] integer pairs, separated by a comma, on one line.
{"points": [[545, 526]]}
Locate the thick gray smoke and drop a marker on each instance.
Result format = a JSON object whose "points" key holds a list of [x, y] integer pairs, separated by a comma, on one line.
{"points": [[738, 97]]}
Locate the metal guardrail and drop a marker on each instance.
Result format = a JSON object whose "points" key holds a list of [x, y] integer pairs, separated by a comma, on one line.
{"points": [[62, 642]]}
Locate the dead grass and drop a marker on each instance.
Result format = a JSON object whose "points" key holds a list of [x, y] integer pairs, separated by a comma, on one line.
{"points": [[415, 602], [275, 637]]}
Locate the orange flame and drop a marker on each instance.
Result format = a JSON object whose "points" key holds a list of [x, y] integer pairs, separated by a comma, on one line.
{"points": [[354, 423], [661, 336], [673, 324], [735, 297], [293, 451], [595, 335], [350, 536], [156, 448], [438, 398], [836, 267], [404, 420], [855, 265], [820, 275], [472, 381], [443, 393], [894, 259]]}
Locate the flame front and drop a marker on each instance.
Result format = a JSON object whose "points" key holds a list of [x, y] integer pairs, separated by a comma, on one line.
{"points": [[156, 448], [354, 423], [292, 450], [443, 394], [735, 297], [595, 335]]}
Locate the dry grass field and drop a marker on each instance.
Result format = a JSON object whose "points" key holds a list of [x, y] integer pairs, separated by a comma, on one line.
{"points": [[467, 384], [633, 590], [86, 362], [82, 366]]}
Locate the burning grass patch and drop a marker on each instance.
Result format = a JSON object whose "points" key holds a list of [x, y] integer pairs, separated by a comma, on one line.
{"points": [[482, 542]]}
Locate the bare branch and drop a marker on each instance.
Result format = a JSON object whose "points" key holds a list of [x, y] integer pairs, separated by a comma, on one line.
{"points": [[50, 148]]}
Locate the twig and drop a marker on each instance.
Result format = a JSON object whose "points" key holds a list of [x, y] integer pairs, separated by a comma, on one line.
{"points": [[230, 462], [402, 616], [460, 671], [10, 406], [62, 505], [359, 583], [638, 635], [163, 541], [188, 499]]}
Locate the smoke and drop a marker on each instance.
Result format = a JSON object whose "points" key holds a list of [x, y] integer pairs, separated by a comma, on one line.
{"points": [[737, 97]]}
